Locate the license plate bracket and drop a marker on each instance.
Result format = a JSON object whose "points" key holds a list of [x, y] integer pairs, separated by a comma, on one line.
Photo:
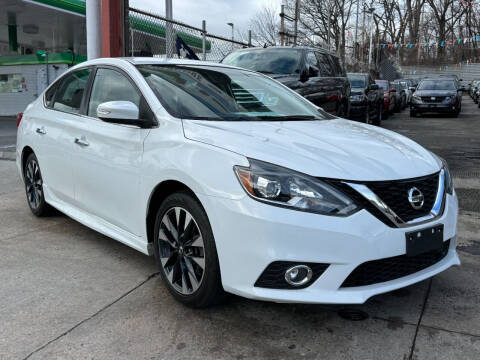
{"points": [[424, 240]]}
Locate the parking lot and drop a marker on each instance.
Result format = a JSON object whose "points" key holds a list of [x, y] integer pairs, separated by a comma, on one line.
{"points": [[69, 292]]}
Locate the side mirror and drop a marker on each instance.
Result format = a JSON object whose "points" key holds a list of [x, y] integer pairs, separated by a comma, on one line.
{"points": [[373, 87], [304, 75], [121, 112], [393, 90]]}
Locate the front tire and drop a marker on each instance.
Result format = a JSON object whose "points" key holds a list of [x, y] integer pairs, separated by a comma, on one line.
{"points": [[185, 252], [378, 118], [413, 113], [32, 177]]}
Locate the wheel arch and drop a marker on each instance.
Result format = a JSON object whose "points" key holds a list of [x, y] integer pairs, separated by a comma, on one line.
{"points": [[26, 151], [158, 195]]}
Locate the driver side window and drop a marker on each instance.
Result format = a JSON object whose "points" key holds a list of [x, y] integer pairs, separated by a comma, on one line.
{"points": [[111, 85]]}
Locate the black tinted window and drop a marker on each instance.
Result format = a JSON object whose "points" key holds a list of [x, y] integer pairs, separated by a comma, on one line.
{"points": [[267, 61], [70, 91], [324, 64]]}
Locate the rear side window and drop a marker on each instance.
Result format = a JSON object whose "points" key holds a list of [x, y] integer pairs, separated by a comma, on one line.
{"points": [[69, 95], [324, 64], [338, 68]]}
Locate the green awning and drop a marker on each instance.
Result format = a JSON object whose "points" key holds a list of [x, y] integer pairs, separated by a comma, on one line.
{"points": [[32, 59], [146, 26]]}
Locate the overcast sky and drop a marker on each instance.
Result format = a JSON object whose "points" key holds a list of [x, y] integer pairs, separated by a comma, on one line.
{"points": [[217, 13]]}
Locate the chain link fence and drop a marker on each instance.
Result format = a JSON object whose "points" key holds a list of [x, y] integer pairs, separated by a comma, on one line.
{"points": [[153, 35]]}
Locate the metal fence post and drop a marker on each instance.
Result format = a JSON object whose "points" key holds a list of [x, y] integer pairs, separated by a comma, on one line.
{"points": [[204, 35], [169, 28], [249, 38]]}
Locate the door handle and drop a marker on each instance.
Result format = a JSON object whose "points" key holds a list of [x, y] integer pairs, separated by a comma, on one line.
{"points": [[81, 141], [41, 131]]}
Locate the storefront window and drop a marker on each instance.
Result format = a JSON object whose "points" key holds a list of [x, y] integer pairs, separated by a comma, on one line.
{"points": [[12, 83]]}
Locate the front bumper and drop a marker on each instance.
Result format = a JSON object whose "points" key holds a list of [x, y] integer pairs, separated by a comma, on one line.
{"points": [[436, 108], [251, 235], [358, 110]]}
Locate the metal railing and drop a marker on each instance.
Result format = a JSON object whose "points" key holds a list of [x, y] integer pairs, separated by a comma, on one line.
{"points": [[154, 35]]}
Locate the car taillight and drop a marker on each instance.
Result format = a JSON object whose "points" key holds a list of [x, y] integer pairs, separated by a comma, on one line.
{"points": [[19, 119]]}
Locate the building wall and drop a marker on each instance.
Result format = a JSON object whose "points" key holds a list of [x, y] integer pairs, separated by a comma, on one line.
{"points": [[35, 81]]}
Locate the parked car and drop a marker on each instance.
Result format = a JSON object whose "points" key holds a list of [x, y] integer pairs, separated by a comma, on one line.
{"points": [[437, 95], [235, 183], [366, 100], [314, 73], [473, 87], [389, 99], [405, 87], [400, 96], [474, 91]]}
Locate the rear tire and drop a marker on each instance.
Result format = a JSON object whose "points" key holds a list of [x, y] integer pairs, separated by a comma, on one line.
{"points": [[185, 252], [32, 177], [413, 113], [378, 118]]}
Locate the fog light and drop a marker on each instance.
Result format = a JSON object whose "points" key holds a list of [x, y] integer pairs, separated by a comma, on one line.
{"points": [[298, 275]]}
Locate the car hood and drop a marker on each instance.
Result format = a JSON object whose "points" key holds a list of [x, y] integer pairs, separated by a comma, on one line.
{"points": [[357, 91], [336, 148], [435, 93]]}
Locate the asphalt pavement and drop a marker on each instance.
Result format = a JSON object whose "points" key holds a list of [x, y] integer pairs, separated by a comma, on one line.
{"points": [[67, 292]]}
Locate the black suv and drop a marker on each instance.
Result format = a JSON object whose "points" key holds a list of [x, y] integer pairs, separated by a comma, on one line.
{"points": [[436, 95], [366, 100], [314, 73]]}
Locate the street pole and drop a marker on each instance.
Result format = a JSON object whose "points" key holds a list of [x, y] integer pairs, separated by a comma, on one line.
{"points": [[232, 25], [295, 29], [249, 38], [282, 25], [169, 28]]}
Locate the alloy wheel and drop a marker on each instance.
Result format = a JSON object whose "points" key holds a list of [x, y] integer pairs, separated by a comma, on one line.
{"points": [[33, 183], [181, 250]]}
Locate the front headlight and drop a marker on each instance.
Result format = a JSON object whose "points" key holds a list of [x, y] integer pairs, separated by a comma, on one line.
{"points": [[279, 186], [416, 98], [448, 177], [357, 97]]}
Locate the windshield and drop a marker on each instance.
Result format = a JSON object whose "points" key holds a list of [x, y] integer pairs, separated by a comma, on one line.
{"points": [[267, 61], [382, 84], [218, 93], [357, 81], [437, 85]]}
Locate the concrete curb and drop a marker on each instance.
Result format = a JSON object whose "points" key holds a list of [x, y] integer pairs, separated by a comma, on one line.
{"points": [[8, 155]]}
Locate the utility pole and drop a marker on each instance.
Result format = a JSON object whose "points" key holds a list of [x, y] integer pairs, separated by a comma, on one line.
{"points": [[169, 28], [372, 11], [295, 31], [363, 32], [356, 32]]}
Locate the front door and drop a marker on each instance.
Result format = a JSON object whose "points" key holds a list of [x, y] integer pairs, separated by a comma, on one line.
{"points": [[107, 156]]}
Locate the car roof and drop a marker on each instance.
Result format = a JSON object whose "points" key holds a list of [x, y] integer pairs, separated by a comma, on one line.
{"points": [[152, 61], [289, 48]]}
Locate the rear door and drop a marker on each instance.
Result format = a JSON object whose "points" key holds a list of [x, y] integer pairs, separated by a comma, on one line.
{"points": [[107, 156], [53, 129]]}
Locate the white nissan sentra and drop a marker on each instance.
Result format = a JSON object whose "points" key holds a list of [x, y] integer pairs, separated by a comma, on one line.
{"points": [[237, 184]]}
